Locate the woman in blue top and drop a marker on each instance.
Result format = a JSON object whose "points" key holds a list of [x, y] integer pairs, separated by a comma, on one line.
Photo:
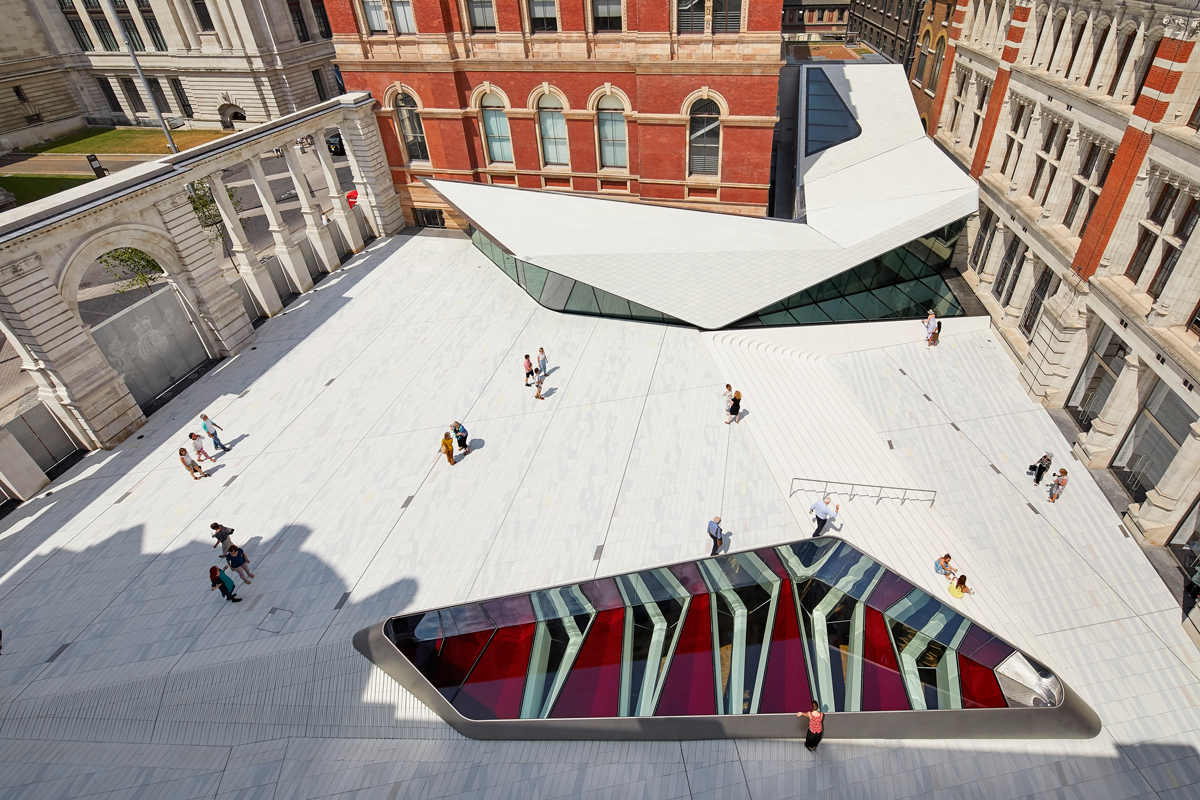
{"points": [[238, 562], [223, 582], [460, 433]]}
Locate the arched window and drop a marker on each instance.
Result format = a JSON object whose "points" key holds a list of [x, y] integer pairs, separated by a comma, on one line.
{"points": [[704, 138], [554, 130], [495, 128], [937, 62], [919, 75], [610, 120], [411, 128]]}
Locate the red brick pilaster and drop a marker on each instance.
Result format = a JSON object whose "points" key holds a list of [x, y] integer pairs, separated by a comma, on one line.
{"points": [[1161, 81], [1012, 47]]}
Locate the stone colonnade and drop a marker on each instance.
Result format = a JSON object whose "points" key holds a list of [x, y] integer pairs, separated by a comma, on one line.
{"points": [[46, 248]]}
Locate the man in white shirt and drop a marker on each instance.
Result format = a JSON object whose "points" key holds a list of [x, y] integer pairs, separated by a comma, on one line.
{"points": [[824, 515], [930, 327]]}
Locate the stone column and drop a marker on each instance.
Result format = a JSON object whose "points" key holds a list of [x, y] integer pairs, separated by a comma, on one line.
{"points": [[1095, 447], [987, 275], [258, 280], [318, 234], [372, 173], [1022, 290], [1058, 345], [1083, 58], [286, 251], [187, 28], [21, 476], [340, 208], [218, 308], [1064, 183], [1107, 52], [74, 378], [1161, 512], [1130, 68]]}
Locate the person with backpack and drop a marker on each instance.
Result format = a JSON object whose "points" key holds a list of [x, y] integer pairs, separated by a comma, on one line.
{"points": [[223, 582]]}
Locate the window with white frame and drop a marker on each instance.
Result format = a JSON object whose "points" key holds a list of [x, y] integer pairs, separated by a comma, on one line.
{"points": [[1048, 158], [936, 69], [1021, 116], [402, 13], [411, 128], [1009, 272], [983, 240], [606, 16], [960, 99], [553, 128], [1093, 171], [483, 17], [919, 75], [1173, 245], [980, 112], [542, 16], [495, 129], [610, 124], [689, 16], [1150, 230], [373, 11], [704, 138]]}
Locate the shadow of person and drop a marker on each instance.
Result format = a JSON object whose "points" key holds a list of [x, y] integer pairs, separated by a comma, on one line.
{"points": [[476, 444], [233, 442], [726, 543], [549, 392]]}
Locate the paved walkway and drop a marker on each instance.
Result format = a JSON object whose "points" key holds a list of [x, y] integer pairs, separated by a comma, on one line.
{"points": [[122, 674]]}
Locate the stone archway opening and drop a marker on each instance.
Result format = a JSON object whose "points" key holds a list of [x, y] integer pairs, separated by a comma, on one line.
{"points": [[230, 114], [115, 281]]}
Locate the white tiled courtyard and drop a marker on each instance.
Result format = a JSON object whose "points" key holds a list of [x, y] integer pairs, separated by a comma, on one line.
{"points": [[122, 675]]}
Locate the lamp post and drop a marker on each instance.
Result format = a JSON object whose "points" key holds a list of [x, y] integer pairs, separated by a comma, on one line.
{"points": [[112, 12]]}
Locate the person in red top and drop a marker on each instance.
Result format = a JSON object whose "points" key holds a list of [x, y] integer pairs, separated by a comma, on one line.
{"points": [[816, 727]]}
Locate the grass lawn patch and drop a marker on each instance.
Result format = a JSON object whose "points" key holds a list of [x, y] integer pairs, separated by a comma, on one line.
{"points": [[122, 141], [27, 188]]}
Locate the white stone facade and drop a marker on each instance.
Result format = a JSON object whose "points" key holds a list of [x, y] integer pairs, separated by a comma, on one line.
{"points": [[217, 63], [1067, 128]]}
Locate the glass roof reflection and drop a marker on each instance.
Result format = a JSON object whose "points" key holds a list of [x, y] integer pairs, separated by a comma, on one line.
{"points": [[765, 631]]}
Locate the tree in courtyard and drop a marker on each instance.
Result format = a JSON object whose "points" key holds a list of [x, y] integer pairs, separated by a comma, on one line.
{"points": [[137, 269], [209, 214]]}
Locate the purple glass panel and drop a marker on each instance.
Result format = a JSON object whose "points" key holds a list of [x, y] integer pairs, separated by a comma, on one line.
{"points": [[690, 688], [771, 559], [512, 610], [984, 648], [890, 589], [979, 685], [465, 619], [603, 594], [493, 689], [785, 685], [594, 685], [689, 575], [883, 687]]}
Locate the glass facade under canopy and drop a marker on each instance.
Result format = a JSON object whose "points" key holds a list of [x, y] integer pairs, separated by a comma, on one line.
{"points": [[904, 283], [761, 632]]}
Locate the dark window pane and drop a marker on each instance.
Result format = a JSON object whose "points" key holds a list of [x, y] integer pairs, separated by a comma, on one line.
{"points": [[593, 687], [690, 688], [493, 689], [980, 689], [785, 685], [535, 279], [582, 300], [828, 122], [883, 686], [984, 648], [202, 15]]}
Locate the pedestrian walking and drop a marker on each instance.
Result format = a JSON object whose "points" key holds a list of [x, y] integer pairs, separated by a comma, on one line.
{"points": [[1060, 483], [937, 332], [728, 395], [1040, 466], [959, 588], [539, 378], [930, 327], [816, 727], [460, 434], [823, 514], [198, 447], [943, 567], [222, 534], [715, 533], [528, 369], [211, 429], [223, 582], [735, 408], [191, 466], [543, 362], [447, 448], [238, 562]]}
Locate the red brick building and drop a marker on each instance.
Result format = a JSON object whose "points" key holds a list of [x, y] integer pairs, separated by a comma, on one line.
{"points": [[655, 100]]}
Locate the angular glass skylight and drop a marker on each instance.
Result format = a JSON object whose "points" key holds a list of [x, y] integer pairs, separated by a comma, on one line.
{"points": [[756, 633], [827, 120]]}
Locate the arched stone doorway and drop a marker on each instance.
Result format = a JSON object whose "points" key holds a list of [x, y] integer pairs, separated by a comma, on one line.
{"points": [[230, 114]]}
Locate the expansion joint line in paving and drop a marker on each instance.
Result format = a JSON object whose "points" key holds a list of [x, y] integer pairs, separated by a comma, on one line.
{"points": [[1044, 520], [629, 455], [186, 525], [528, 466]]}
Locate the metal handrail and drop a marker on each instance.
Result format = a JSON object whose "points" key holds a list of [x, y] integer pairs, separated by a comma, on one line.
{"points": [[902, 489]]}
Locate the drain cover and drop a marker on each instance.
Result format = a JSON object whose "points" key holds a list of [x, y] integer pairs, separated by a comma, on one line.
{"points": [[275, 620]]}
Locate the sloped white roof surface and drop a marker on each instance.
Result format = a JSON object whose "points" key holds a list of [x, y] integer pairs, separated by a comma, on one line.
{"points": [[864, 197]]}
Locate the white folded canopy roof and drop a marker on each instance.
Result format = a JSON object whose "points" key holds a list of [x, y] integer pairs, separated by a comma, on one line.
{"points": [[864, 197]]}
